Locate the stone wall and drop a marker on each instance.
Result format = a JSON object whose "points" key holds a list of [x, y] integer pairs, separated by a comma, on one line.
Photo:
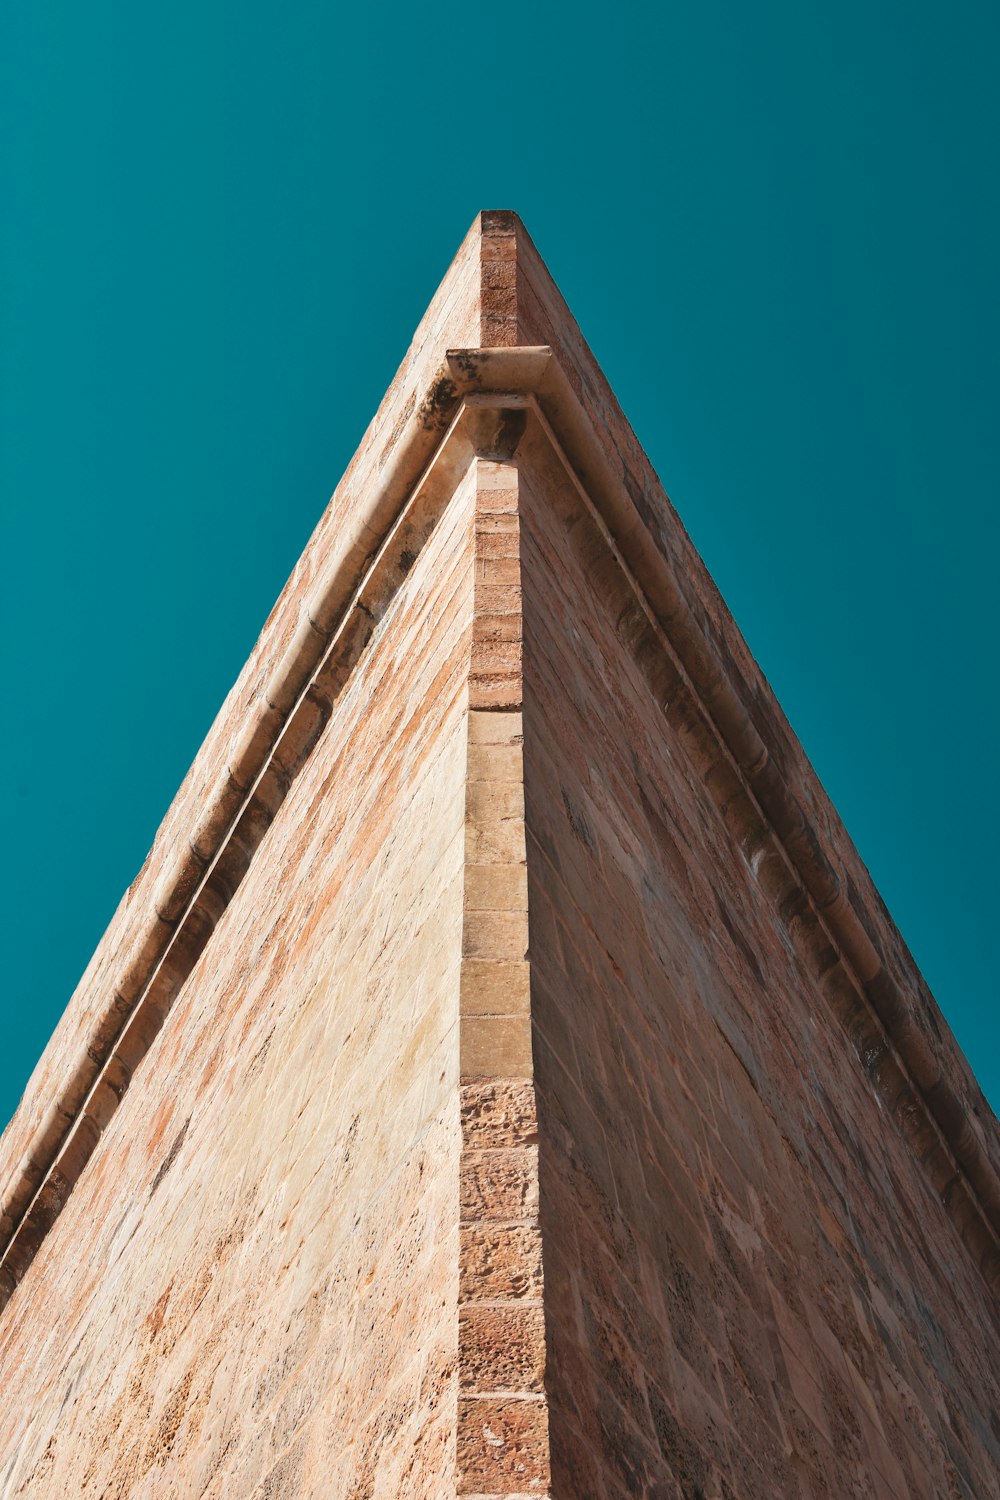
{"points": [[751, 1288], [253, 1288], [502, 1419], [502, 1079], [390, 458]]}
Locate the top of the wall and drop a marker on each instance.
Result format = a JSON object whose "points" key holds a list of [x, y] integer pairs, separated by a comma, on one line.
{"points": [[496, 296]]}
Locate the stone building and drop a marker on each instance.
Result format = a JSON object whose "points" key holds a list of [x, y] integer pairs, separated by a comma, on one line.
{"points": [[502, 1078]]}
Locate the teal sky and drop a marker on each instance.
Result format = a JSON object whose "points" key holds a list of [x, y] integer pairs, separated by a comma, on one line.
{"points": [[777, 225]]}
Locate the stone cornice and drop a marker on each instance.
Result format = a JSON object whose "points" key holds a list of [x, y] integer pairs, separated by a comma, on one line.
{"points": [[476, 403], [191, 892], [894, 1047]]}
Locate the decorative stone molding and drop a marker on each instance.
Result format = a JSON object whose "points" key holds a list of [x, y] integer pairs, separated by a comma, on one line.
{"points": [[477, 406]]}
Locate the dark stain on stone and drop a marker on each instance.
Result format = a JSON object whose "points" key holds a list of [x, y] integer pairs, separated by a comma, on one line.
{"points": [[467, 361], [578, 823], [171, 1156], [439, 405]]}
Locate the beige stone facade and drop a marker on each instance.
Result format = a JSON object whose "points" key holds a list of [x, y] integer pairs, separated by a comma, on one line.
{"points": [[502, 1078]]}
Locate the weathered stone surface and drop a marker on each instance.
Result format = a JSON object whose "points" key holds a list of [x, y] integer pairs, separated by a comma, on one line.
{"points": [[254, 1284], [502, 1080], [501, 1349], [500, 1262], [751, 1287], [498, 1113], [501, 1445]]}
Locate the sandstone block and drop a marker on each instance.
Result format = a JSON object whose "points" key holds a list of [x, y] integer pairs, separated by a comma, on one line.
{"points": [[500, 1263], [498, 1112], [499, 1184], [495, 729], [501, 1349], [496, 1045], [502, 1442], [493, 988]]}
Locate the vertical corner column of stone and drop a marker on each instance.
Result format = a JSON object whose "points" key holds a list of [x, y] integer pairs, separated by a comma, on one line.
{"points": [[499, 273], [503, 1448]]}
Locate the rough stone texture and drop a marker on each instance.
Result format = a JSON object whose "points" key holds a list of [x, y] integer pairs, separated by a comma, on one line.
{"points": [[252, 1290], [502, 1079], [751, 1289], [502, 1422], [466, 310]]}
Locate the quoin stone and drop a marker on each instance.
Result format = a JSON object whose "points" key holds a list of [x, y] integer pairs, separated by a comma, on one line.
{"points": [[502, 1079]]}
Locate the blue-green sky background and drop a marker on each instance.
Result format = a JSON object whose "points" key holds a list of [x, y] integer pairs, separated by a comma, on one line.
{"points": [[777, 225]]}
